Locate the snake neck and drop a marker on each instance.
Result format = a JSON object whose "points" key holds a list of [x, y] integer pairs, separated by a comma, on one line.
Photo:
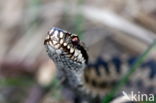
{"points": [[68, 70], [72, 73]]}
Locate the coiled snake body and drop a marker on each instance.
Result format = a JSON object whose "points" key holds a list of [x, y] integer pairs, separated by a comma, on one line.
{"points": [[97, 79]]}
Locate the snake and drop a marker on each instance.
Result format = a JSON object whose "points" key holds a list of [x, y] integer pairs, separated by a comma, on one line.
{"points": [[97, 79]]}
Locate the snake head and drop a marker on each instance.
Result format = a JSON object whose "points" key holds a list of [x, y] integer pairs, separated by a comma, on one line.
{"points": [[67, 43]]}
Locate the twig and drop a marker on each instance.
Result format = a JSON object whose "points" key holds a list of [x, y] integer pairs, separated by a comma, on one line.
{"points": [[114, 21]]}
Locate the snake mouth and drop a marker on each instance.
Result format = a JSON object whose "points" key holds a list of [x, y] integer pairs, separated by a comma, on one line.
{"points": [[68, 43]]}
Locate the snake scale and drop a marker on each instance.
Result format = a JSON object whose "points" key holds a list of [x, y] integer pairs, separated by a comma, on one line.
{"points": [[92, 80]]}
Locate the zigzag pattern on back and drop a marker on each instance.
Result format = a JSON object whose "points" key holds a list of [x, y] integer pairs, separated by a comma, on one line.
{"points": [[102, 76]]}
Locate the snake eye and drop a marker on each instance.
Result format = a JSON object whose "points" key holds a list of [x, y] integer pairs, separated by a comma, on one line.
{"points": [[75, 40]]}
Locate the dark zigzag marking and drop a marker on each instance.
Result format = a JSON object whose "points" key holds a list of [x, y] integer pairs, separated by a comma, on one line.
{"points": [[117, 62], [150, 64]]}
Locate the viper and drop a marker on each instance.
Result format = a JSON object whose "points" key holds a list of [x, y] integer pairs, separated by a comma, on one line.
{"points": [[94, 80]]}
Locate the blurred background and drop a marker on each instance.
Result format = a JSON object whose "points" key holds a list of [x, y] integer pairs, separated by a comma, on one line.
{"points": [[108, 27]]}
